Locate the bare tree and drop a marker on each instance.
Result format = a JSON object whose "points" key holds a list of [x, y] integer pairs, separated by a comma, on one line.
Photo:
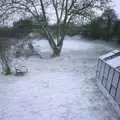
{"points": [[65, 12]]}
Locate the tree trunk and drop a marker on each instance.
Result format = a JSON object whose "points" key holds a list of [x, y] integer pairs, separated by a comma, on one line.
{"points": [[56, 52], [108, 37], [56, 48], [5, 65]]}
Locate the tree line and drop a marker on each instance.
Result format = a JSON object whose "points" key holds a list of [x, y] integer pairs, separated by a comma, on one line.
{"points": [[105, 27], [65, 13]]}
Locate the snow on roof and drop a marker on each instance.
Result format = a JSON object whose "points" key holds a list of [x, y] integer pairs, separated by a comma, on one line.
{"points": [[115, 62], [112, 58], [109, 54]]}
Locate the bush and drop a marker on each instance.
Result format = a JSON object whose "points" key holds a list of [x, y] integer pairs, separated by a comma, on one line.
{"points": [[73, 30], [117, 30], [22, 28], [8, 71], [5, 32]]}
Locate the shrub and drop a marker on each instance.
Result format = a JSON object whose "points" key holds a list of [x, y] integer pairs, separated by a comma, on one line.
{"points": [[5, 32], [22, 28], [8, 71]]}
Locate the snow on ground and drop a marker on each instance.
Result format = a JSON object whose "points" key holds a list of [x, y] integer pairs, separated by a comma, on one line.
{"points": [[62, 88]]}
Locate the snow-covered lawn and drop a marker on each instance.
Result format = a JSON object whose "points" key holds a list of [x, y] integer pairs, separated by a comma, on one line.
{"points": [[62, 88]]}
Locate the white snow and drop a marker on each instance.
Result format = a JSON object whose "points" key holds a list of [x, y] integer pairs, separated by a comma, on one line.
{"points": [[62, 88], [75, 44], [115, 62], [41, 45]]}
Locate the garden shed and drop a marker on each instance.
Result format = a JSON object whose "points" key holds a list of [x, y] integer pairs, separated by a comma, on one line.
{"points": [[108, 74]]}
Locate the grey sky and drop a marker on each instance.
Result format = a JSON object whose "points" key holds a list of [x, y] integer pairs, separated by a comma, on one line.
{"points": [[116, 5]]}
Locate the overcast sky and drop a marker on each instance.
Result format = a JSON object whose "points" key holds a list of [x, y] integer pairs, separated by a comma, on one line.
{"points": [[116, 5]]}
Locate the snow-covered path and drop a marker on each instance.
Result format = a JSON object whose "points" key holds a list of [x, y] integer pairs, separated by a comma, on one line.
{"points": [[62, 88]]}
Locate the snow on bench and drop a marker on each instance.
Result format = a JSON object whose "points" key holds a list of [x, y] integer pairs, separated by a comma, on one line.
{"points": [[20, 70], [20, 67]]}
